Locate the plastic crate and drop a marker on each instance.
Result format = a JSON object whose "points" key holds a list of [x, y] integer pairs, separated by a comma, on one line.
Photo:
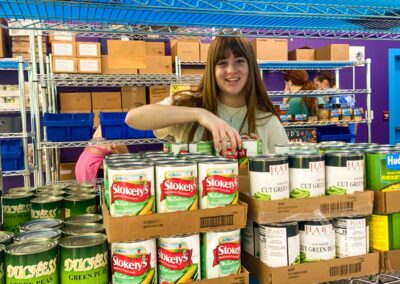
{"points": [[113, 126], [12, 155], [10, 124], [68, 126], [335, 133]]}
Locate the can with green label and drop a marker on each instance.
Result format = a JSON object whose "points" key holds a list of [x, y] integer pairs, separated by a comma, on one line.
{"points": [[16, 210], [50, 207], [32, 262], [383, 168], [79, 229], [84, 218], [6, 238], [43, 234], [79, 204], [203, 147], [84, 259], [39, 224], [2, 274]]}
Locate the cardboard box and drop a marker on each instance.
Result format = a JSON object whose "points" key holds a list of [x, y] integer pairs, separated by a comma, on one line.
{"points": [[263, 212], [63, 48], [88, 49], [24, 45], [75, 101], [106, 69], [2, 43], [158, 93], [241, 278], [302, 54], [313, 272], [106, 100], [126, 228], [386, 202], [61, 36], [204, 47], [270, 48], [155, 48], [193, 71], [186, 50], [126, 63], [131, 95], [89, 65], [96, 121], [333, 52], [64, 65], [390, 261], [25, 39], [67, 171], [126, 48], [157, 65]]}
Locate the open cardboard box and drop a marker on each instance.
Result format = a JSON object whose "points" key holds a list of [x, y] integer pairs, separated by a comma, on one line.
{"points": [[386, 202], [129, 228], [241, 278], [264, 212], [390, 261], [313, 272]]}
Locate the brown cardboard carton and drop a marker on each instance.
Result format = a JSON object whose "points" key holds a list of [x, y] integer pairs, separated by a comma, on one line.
{"points": [[26, 56], [126, 63], [157, 65], [390, 261], [126, 48], [67, 171], [193, 71], [186, 50], [204, 47], [131, 95], [386, 202], [106, 70], [241, 278], [126, 228], [333, 52], [270, 48], [88, 49], [24, 46], [263, 212], [90, 65], [61, 36], [25, 39], [106, 100], [313, 272], [155, 48], [302, 54], [63, 48], [158, 93], [64, 65], [75, 101], [96, 120], [2, 43]]}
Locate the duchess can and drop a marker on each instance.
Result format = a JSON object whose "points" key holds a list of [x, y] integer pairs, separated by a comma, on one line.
{"points": [[16, 210], [79, 204], [47, 207]]}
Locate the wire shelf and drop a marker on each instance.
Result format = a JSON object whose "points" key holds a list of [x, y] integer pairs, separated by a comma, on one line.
{"points": [[11, 135], [10, 64], [13, 173], [80, 80], [309, 65], [317, 93], [9, 110], [74, 144], [321, 123]]}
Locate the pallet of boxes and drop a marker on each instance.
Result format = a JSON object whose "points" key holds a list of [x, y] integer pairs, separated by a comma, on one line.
{"points": [[308, 215]]}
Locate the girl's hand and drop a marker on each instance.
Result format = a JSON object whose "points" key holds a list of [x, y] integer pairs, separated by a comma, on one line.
{"points": [[221, 131]]}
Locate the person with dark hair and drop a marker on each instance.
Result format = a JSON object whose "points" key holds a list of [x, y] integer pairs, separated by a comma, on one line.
{"points": [[230, 101]]}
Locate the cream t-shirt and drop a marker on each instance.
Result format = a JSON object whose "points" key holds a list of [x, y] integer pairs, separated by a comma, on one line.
{"points": [[269, 129]]}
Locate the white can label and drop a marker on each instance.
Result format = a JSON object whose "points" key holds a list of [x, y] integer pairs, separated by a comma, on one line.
{"points": [[248, 237], [351, 237], [272, 185], [317, 242], [346, 180], [179, 148], [308, 182]]}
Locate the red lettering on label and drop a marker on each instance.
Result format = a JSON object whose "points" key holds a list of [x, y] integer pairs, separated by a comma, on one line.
{"points": [[221, 184], [130, 192], [178, 187], [131, 266], [175, 260], [228, 251]]}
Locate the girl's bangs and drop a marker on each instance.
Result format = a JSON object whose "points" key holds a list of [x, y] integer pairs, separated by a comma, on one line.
{"points": [[227, 45]]}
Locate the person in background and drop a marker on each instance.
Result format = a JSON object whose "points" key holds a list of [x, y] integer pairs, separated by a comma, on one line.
{"points": [[230, 100]]}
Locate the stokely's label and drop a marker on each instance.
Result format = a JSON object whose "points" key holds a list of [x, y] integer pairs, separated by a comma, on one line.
{"points": [[130, 192], [220, 184], [226, 251], [174, 260], [31, 272], [178, 187], [136, 266]]}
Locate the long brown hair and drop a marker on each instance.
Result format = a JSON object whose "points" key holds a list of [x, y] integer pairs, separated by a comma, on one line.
{"points": [[207, 92], [300, 78], [328, 76]]}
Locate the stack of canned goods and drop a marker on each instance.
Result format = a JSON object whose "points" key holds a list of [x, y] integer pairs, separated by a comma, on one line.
{"points": [[283, 244]]}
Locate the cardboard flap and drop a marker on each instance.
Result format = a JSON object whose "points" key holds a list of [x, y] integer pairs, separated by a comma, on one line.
{"points": [[387, 202], [390, 261]]}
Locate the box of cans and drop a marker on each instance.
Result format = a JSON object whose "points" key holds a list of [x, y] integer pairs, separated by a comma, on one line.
{"points": [[387, 202]]}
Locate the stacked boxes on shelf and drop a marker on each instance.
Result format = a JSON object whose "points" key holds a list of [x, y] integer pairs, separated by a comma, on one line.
{"points": [[124, 56], [156, 62], [20, 47], [88, 57], [63, 48]]}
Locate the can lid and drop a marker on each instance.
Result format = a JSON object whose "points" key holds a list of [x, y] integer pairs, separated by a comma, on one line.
{"points": [[39, 224], [30, 247], [80, 191], [79, 197], [83, 228], [16, 195], [316, 156], [46, 199], [177, 163], [131, 166], [217, 160], [84, 218], [344, 153], [382, 151], [43, 234], [5, 236], [50, 193], [79, 187], [86, 240], [21, 190], [51, 187]]}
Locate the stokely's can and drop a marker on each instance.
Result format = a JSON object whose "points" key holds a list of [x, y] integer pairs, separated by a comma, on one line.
{"points": [[250, 148], [220, 254], [179, 148], [344, 172], [85, 228], [280, 244], [306, 175], [178, 259], [218, 183], [43, 234], [37, 257], [79, 204], [39, 224], [157, 160], [84, 218], [149, 153], [176, 187], [50, 207], [203, 147], [84, 259], [317, 240], [382, 168], [134, 262], [6, 238], [131, 190], [352, 236], [269, 177], [16, 210]]}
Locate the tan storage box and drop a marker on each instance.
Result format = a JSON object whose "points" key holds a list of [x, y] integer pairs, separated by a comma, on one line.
{"points": [[61, 36], [186, 50], [155, 48], [88, 49], [63, 48], [126, 63], [386, 202], [113, 70], [67, 171], [333, 52], [2, 43], [75, 101], [89, 65], [131, 95], [270, 49], [157, 65], [204, 47], [158, 93], [126, 48], [96, 120], [302, 54], [106, 100], [64, 65]]}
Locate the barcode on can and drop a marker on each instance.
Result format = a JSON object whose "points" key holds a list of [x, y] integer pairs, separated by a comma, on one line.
{"points": [[216, 221], [345, 269], [337, 207]]}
